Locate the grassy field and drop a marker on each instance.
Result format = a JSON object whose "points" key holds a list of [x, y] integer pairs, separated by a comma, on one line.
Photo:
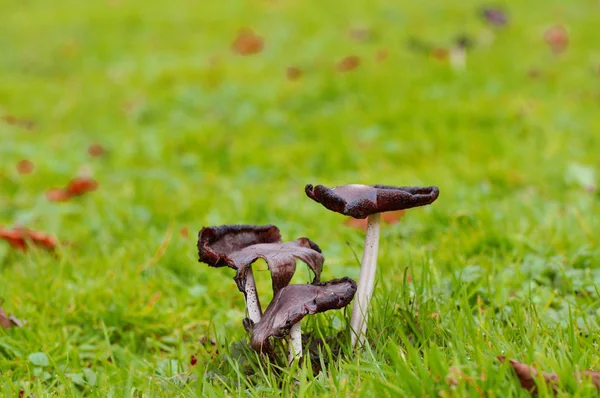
{"points": [[506, 262]]}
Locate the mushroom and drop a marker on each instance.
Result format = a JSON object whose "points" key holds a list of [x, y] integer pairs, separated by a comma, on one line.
{"points": [[360, 201], [238, 246], [294, 302]]}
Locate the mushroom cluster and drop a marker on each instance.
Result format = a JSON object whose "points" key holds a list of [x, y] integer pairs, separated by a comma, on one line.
{"points": [[239, 246]]}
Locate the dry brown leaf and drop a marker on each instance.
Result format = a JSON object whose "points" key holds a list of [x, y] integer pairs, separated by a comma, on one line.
{"points": [[8, 322], [557, 38], [80, 185], [293, 73], [184, 231], [247, 42], [440, 54], [349, 63], [14, 121], [76, 187], [528, 375], [25, 166], [96, 150], [20, 237]]}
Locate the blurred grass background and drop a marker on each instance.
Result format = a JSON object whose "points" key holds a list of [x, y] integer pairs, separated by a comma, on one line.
{"points": [[196, 134]]}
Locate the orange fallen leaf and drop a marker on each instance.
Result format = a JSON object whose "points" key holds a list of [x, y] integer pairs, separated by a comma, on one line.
{"points": [[349, 63], [76, 187], [557, 38], [293, 73], [184, 232], [247, 43], [20, 237], [440, 54], [25, 166], [80, 185], [14, 121], [96, 150]]}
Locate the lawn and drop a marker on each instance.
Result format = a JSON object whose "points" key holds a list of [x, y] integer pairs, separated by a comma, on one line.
{"points": [[505, 263]]}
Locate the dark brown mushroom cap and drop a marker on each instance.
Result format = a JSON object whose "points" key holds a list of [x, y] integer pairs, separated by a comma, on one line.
{"points": [[294, 302], [216, 243], [360, 201], [238, 246]]}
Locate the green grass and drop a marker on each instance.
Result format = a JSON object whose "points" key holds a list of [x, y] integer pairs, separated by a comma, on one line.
{"points": [[508, 256]]}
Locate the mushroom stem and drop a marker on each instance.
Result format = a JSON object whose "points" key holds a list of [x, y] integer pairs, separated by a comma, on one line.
{"points": [[366, 281], [252, 302], [295, 343]]}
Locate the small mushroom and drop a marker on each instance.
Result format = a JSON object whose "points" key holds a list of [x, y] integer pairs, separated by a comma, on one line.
{"points": [[238, 246], [360, 201], [294, 302]]}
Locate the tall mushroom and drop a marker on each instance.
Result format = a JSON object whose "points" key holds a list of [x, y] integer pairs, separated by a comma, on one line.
{"points": [[294, 302], [360, 201], [238, 246]]}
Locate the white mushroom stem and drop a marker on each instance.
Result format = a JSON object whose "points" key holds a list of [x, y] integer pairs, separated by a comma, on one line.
{"points": [[295, 343], [252, 303], [366, 281]]}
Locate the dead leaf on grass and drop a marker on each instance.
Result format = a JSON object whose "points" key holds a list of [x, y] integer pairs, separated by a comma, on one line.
{"points": [[184, 231], [247, 42], [557, 38], [25, 166], [15, 121], [349, 63], [76, 187], [8, 322], [20, 238], [96, 150], [293, 73], [528, 375]]}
